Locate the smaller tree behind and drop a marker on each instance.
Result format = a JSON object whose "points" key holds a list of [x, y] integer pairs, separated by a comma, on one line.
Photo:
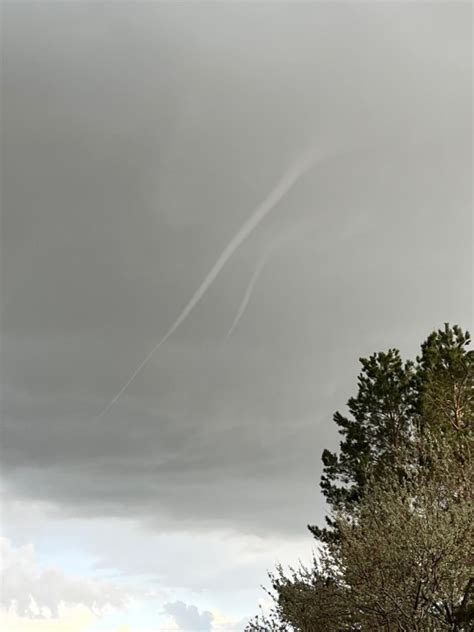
{"points": [[407, 554], [445, 382]]}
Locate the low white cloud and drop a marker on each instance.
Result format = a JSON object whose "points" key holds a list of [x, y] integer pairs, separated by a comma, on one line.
{"points": [[188, 618], [69, 619], [223, 623], [31, 590]]}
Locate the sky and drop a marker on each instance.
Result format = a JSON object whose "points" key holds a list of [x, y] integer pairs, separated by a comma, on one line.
{"points": [[210, 211]]}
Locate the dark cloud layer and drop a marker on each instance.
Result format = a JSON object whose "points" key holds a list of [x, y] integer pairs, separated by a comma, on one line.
{"points": [[138, 137]]}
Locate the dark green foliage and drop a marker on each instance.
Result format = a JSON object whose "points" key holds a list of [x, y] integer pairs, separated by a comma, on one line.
{"points": [[394, 402], [382, 415]]}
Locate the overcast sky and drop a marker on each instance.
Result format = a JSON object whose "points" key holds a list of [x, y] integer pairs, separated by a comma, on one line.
{"points": [[138, 140]]}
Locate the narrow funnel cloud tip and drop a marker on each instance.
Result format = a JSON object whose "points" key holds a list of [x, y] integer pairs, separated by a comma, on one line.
{"points": [[289, 179], [248, 293], [278, 243]]}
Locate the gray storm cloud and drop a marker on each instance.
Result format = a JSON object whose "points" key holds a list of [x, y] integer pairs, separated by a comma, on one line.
{"points": [[137, 138]]}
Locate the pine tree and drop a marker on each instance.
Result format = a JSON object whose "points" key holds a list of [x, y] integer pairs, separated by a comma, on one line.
{"points": [[394, 402], [382, 417]]}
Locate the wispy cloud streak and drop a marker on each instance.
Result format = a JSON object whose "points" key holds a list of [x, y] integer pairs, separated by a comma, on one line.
{"points": [[289, 179]]}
